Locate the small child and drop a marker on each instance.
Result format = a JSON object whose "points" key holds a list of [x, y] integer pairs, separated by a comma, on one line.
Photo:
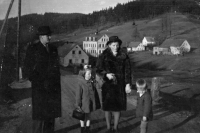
{"points": [[86, 98], [144, 105]]}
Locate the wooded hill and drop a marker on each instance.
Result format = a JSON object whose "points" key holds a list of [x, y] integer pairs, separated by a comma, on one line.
{"points": [[67, 23]]}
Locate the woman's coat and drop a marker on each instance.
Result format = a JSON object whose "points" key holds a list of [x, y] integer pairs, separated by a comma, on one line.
{"points": [[113, 93]]}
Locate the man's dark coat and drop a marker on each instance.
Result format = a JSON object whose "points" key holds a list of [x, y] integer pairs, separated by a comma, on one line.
{"points": [[113, 94], [42, 69]]}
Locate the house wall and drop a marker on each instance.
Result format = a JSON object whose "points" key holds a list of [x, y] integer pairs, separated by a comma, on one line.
{"points": [[144, 42], [90, 47], [102, 44], [156, 50], [159, 50], [140, 48], [94, 47], [76, 55], [185, 47], [129, 50], [175, 50]]}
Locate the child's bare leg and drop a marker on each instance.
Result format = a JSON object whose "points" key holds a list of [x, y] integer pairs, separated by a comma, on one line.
{"points": [[87, 123], [82, 123], [143, 126]]}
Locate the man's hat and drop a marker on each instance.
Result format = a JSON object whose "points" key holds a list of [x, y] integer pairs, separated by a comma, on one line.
{"points": [[44, 30], [114, 39]]}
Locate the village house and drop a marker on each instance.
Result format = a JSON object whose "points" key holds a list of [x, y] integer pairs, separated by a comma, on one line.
{"points": [[148, 41], [72, 54], [94, 46], [159, 50], [177, 46], [135, 46]]}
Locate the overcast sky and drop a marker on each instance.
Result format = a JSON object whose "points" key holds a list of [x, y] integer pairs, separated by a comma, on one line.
{"points": [[60, 6]]}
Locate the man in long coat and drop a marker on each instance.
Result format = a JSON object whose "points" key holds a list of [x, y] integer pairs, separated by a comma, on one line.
{"points": [[42, 69]]}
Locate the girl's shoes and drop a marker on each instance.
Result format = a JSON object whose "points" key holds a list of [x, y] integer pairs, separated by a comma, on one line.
{"points": [[87, 130], [82, 129]]}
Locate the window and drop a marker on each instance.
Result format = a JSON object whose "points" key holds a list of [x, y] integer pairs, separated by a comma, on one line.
{"points": [[79, 52], [82, 60], [70, 60], [73, 52]]}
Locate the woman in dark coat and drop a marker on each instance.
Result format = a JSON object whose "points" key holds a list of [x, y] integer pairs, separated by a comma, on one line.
{"points": [[42, 69], [113, 66]]}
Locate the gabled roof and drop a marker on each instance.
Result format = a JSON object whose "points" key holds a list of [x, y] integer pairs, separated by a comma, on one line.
{"points": [[149, 39], [65, 49], [172, 42], [133, 44]]}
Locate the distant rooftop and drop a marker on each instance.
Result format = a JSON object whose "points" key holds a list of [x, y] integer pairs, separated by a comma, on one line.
{"points": [[172, 42], [150, 39], [133, 44], [65, 49]]}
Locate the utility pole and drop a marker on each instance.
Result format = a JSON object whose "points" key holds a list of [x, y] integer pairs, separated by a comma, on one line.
{"points": [[2, 27], [18, 40]]}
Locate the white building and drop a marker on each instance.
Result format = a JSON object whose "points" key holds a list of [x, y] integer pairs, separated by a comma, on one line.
{"points": [[72, 54], [93, 46], [135, 46], [185, 47], [146, 41], [159, 50], [177, 46], [175, 50]]}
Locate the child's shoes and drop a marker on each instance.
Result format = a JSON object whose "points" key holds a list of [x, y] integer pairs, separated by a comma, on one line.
{"points": [[82, 129], [87, 130]]}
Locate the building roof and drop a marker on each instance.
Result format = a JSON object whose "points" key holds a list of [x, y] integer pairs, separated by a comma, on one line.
{"points": [[98, 36], [172, 42], [133, 44], [149, 39], [65, 49]]}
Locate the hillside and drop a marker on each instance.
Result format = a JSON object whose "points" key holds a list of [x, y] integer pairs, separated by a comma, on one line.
{"points": [[182, 27]]}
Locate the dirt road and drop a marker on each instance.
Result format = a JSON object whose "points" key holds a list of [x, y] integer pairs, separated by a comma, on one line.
{"points": [[176, 112]]}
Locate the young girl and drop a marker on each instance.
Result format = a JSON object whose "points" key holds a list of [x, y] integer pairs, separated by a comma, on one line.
{"points": [[86, 98]]}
